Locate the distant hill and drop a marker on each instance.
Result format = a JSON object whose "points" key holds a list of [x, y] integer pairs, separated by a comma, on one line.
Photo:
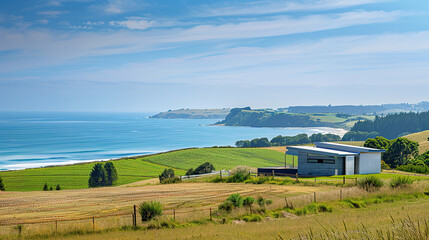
{"points": [[271, 118], [361, 109], [193, 114]]}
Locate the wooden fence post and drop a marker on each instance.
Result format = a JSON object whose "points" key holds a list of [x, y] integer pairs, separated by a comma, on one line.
{"points": [[344, 179], [135, 216], [296, 175], [220, 174], [56, 226], [287, 204], [210, 214], [93, 223], [314, 196], [174, 214], [341, 194]]}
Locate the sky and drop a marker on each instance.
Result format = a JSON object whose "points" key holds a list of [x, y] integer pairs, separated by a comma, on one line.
{"points": [[148, 56]]}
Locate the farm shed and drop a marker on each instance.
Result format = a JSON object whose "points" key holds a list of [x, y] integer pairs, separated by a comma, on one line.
{"points": [[325, 159]]}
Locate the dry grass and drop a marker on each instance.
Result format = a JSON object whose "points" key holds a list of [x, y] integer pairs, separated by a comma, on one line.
{"points": [[373, 217], [422, 139], [192, 201]]}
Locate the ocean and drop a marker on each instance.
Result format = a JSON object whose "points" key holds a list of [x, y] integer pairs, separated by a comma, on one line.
{"points": [[37, 139]]}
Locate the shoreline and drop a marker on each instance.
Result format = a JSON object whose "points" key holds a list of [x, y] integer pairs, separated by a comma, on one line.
{"points": [[35, 165]]}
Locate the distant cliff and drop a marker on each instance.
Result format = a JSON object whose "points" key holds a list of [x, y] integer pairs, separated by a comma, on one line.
{"points": [[193, 114]]}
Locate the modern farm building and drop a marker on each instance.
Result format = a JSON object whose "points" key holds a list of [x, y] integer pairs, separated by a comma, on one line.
{"points": [[326, 159]]}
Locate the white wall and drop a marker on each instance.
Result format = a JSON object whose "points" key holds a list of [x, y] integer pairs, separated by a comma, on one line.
{"points": [[370, 163], [350, 165]]}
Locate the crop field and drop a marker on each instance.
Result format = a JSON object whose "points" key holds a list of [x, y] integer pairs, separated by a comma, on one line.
{"points": [[192, 201], [146, 167], [111, 208], [346, 221]]}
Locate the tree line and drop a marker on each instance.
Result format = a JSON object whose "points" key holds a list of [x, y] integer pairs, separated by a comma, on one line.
{"points": [[287, 140], [393, 125], [401, 153]]}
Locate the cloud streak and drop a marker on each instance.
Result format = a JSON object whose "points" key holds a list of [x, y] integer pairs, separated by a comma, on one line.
{"points": [[275, 7]]}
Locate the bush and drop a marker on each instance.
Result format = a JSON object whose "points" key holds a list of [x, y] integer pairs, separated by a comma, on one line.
{"points": [[166, 174], [204, 168], [149, 210], [236, 199], [248, 201], [240, 175], [2, 185], [401, 181], [170, 180], [58, 187], [226, 206], [370, 183], [414, 169], [252, 218], [313, 208], [103, 175], [45, 187]]}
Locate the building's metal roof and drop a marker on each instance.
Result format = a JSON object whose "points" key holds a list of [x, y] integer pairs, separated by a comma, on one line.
{"points": [[347, 148], [293, 150]]}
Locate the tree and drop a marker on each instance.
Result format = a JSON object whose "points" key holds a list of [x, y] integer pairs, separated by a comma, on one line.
{"points": [[45, 187], [378, 143], [2, 185], [50, 189], [242, 144], [401, 151], [98, 176], [424, 157], [190, 172], [58, 187], [167, 173], [204, 168], [112, 174]]}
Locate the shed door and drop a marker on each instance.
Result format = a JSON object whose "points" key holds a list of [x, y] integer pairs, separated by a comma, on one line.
{"points": [[350, 165]]}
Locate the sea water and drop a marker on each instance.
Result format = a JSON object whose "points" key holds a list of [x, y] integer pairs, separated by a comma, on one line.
{"points": [[35, 139]]}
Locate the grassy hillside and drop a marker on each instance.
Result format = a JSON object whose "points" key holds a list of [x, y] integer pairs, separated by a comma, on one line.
{"points": [[422, 139], [133, 170]]}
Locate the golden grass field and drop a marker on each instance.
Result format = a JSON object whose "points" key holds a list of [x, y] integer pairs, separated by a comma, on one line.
{"points": [[192, 201], [422, 139]]}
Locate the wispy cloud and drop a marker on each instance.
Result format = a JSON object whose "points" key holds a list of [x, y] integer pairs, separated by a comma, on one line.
{"points": [[51, 14], [133, 23], [270, 7]]}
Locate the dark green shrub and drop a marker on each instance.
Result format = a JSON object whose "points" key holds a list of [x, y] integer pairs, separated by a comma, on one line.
{"points": [[236, 199], [400, 181], [354, 203], [414, 169], [204, 168], [149, 210], [51, 188], [45, 187], [58, 187], [170, 180], [261, 201], [167, 173], [248, 201], [226, 206], [370, 183], [2, 185]]}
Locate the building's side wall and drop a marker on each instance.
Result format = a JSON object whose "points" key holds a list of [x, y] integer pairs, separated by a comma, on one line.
{"points": [[320, 169], [370, 163]]}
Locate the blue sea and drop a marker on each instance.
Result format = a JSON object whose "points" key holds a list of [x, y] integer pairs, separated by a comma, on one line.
{"points": [[29, 139]]}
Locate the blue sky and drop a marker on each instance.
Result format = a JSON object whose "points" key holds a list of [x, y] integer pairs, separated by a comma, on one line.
{"points": [[122, 55]]}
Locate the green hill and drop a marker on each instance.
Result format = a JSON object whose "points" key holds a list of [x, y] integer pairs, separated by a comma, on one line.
{"points": [[141, 168]]}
